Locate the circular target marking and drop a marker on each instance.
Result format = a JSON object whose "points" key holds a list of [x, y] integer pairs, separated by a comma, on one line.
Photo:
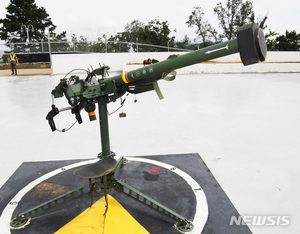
{"points": [[200, 217]]}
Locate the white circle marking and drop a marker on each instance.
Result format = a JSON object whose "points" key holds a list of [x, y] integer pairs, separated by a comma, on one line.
{"points": [[200, 217]]}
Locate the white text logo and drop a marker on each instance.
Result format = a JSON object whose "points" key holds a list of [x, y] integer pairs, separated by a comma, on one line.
{"points": [[261, 220]]}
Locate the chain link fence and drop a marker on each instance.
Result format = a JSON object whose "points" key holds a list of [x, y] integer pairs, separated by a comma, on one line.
{"points": [[39, 52]]}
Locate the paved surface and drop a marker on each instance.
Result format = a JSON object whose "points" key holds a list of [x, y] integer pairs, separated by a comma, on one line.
{"points": [[27, 72], [245, 127]]}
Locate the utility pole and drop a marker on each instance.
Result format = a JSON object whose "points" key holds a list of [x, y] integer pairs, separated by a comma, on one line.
{"points": [[49, 45]]}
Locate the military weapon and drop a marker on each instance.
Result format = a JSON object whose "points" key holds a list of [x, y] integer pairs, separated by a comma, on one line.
{"points": [[85, 93]]}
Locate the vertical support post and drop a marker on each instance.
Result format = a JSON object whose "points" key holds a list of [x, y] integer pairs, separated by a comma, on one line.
{"points": [[104, 131], [49, 45]]}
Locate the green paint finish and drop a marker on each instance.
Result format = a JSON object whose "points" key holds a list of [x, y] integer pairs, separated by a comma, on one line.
{"points": [[198, 56], [104, 131]]}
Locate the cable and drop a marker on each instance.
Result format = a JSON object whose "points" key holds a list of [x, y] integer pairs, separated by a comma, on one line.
{"points": [[78, 69], [122, 103], [52, 97], [64, 130]]}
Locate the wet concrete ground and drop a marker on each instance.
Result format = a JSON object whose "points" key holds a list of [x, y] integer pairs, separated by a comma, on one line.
{"points": [[245, 127]]}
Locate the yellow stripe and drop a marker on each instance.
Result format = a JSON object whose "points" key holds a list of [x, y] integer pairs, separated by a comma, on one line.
{"points": [[125, 78], [116, 221]]}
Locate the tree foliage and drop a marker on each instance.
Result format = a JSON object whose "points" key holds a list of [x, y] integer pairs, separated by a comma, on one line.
{"points": [[233, 14], [269, 35], [288, 42], [271, 40], [186, 44], [204, 29], [154, 33], [25, 16]]}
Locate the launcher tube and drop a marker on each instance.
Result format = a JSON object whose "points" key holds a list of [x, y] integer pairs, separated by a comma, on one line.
{"points": [[198, 56], [250, 43]]}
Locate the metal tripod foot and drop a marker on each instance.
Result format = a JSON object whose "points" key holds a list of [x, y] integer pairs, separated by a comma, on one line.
{"points": [[185, 226], [17, 223]]}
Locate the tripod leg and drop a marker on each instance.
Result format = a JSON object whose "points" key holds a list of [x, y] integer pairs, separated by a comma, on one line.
{"points": [[182, 224], [23, 218]]}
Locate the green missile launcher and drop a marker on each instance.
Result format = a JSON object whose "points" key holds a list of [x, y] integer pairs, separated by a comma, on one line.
{"points": [[250, 43], [85, 93]]}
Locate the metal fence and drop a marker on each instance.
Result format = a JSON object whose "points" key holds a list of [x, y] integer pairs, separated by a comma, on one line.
{"points": [[44, 47]]}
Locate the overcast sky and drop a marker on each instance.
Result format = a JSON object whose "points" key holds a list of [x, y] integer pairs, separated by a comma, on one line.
{"points": [[92, 18]]}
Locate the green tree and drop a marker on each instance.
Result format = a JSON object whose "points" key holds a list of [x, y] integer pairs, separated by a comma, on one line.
{"points": [[270, 35], [154, 33], [204, 30], [288, 42], [271, 40], [119, 42], [233, 14], [185, 43], [99, 46], [22, 14], [157, 33], [59, 42], [83, 44]]}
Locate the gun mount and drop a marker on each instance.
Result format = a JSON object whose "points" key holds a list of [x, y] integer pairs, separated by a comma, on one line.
{"points": [[85, 93]]}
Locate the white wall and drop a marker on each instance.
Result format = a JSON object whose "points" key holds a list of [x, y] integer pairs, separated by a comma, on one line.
{"points": [[118, 62], [62, 63]]}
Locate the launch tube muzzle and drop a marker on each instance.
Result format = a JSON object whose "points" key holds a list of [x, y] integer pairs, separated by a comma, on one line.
{"points": [[251, 44]]}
